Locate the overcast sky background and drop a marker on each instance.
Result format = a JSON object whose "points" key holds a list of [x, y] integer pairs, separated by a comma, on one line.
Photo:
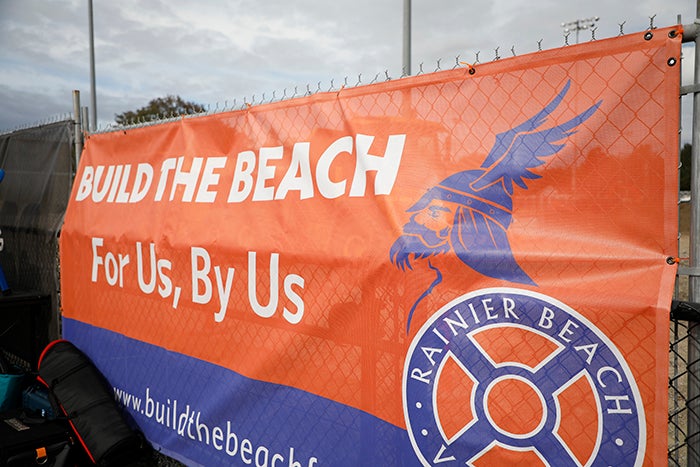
{"points": [[214, 51]]}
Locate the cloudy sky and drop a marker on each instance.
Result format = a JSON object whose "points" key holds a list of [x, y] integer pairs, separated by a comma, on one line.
{"points": [[217, 52]]}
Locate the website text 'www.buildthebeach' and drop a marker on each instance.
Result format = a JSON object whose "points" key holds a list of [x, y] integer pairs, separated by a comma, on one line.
{"points": [[187, 423]]}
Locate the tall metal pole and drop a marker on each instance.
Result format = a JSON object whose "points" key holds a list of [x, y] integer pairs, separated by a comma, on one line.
{"points": [[407, 37], [93, 95]]}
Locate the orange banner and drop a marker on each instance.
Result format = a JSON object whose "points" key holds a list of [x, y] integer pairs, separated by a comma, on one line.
{"points": [[475, 258]]}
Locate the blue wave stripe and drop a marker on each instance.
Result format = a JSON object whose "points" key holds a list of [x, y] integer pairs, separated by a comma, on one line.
{"points": [[200, 413]]}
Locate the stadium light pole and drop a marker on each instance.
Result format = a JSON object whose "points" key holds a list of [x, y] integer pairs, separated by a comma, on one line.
{"points": [[93, 95], [579, 24], [407, 37]]}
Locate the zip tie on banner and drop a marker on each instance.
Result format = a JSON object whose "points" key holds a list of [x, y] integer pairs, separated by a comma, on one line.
{"points": [[676, 260], [470, 68]]}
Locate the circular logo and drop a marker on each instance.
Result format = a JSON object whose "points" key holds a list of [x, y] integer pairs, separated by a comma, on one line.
{"points": [[507, 376]]}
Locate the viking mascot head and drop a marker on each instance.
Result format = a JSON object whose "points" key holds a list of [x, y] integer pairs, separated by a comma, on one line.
{"points": [[469, 213], [453, 216]]}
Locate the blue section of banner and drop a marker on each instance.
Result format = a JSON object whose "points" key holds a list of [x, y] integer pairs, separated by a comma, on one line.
{"points": [[202, 413]]}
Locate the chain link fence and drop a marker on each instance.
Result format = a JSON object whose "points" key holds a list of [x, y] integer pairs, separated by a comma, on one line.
{"points": [[38, 165], [31, 258], [684, 316]]}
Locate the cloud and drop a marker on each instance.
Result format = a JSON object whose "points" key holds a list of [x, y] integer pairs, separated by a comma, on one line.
{"points": [[218, 51]]}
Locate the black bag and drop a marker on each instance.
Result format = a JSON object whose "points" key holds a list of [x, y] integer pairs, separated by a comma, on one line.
{"points": [[84, 396], [34, 442]]}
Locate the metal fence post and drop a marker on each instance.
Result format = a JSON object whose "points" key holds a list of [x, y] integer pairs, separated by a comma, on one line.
{"points": [[78, 127], [694, 280]]}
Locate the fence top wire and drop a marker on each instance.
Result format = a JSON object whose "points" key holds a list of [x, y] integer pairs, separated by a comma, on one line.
{"points": [[293, 92], [62, 117]]}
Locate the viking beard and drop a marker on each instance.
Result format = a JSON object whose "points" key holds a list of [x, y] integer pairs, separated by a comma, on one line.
{"points": [[414, 247]]}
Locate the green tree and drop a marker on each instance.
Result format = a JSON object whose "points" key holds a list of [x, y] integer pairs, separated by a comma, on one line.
{"points": [[161, 107], [686, 164]]}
